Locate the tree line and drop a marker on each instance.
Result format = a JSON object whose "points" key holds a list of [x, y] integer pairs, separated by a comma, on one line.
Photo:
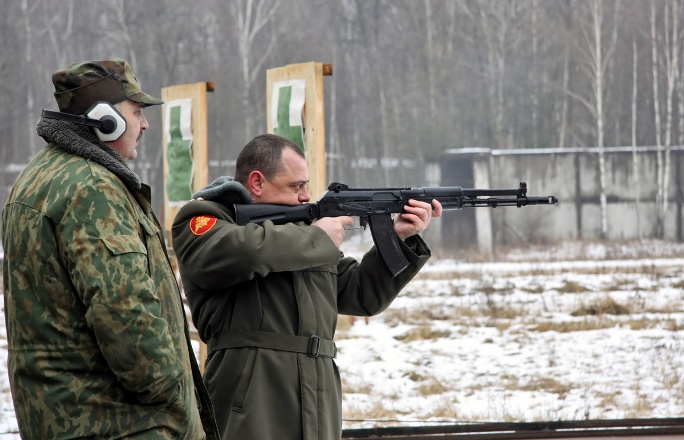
{"points": [[411, 78]]}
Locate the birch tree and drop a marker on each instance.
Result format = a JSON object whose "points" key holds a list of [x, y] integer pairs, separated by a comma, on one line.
{"points": [[494, 26], [7, 62], [680, 90], [680, 99], [26, 11], [598, 63], [430, 55], [251, 18], [383, 111], [656, 114], [671, 49], [562, 113], [635, 159], [124, 33], [498, 22], [60, 31], [351, 40], [595, 67], [534, 95]]}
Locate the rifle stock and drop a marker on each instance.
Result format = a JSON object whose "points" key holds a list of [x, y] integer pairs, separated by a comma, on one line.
{"points": [[279, 214], [375, 206]]}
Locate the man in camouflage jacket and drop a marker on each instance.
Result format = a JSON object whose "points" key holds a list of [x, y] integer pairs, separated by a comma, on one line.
{"points": [[265, 298], [98, 340]]}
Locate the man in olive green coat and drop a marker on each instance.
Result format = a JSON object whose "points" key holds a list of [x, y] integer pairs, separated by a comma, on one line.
{"points": [[97, 334], [265, 298]]}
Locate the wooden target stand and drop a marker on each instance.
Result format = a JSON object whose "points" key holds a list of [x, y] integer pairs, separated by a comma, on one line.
{"points": [[283, 109], [186, 159], [307, 79], [312, 117]]}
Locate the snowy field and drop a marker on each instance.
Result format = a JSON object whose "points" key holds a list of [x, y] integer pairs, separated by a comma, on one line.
{"points": [[567, 332], [571, 332]]}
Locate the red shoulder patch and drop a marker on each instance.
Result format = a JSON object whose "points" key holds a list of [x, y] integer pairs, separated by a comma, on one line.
{"points": [[201, 224]]}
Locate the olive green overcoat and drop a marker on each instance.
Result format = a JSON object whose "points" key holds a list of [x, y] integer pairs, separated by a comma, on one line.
{"points": [[260, 297]]}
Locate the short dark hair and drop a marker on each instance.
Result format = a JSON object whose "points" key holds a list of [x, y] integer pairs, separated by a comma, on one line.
{"points": [[263, 153]]}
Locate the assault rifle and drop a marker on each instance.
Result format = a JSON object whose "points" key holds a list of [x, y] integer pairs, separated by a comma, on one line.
{"points": [[375, 206]]}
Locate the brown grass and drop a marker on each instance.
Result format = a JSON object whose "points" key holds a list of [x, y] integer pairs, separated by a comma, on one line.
{"points": [[571, 287], [574, 326], [378, 411], [422, 333], [432, 387], [548, 384], [603, 306], [533, 289]]}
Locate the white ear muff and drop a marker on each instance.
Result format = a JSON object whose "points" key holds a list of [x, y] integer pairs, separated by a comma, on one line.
{"points": [[113, 122]]}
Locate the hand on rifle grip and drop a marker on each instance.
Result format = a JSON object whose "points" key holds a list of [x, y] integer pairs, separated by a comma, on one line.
{"points": [[334, 227]]}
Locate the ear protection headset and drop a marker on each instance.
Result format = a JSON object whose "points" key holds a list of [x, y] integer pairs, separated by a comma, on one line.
{"points": [[105, 119]]}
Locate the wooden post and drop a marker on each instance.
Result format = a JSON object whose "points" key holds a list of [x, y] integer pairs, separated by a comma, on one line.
{"points": [[177, 100], [310, 76], [197, 93]]}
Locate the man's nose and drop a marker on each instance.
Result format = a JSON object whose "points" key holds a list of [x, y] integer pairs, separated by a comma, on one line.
{"points": [[304, 195]]}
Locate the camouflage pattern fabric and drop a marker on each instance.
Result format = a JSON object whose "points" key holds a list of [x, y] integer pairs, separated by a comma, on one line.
{"points": [[96, 329], [81, 84]]}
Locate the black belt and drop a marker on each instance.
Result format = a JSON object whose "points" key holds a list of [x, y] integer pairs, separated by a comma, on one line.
{"points": [[313, 346]]}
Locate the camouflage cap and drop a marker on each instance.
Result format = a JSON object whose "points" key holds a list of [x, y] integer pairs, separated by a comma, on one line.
{"points": [[81, 84]]}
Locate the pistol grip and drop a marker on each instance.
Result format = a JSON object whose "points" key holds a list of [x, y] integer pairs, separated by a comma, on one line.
{"points": [[387, 242]]}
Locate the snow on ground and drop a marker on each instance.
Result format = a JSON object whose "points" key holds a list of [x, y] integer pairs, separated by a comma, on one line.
{"points": [[8, 422], [567, 332], [532, 338]]}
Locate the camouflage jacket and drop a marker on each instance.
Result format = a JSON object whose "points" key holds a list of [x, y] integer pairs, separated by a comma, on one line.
{"points": [[97, 335]]}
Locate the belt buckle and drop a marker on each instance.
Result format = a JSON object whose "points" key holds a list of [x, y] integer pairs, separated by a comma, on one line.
{"points": [[314, 346]]}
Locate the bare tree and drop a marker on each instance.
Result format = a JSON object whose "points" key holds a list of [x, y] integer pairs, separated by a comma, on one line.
{"points": [[635, 161], [252, 17], [431, 52], [597, 15], [498, 22], [191, 33], [680, 98], [28, 59], [562, 114], [383, 112], [595, 70], [656, 113], [352, 37], [61, 31], [672, 49], [680, 88], [534, 95], [494, 25]]}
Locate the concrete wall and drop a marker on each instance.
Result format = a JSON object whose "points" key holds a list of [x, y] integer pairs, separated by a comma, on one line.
{"points": [[572, 176]]}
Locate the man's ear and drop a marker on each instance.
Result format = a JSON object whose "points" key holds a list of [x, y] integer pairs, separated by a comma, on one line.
{"points": [[255, 183]]}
